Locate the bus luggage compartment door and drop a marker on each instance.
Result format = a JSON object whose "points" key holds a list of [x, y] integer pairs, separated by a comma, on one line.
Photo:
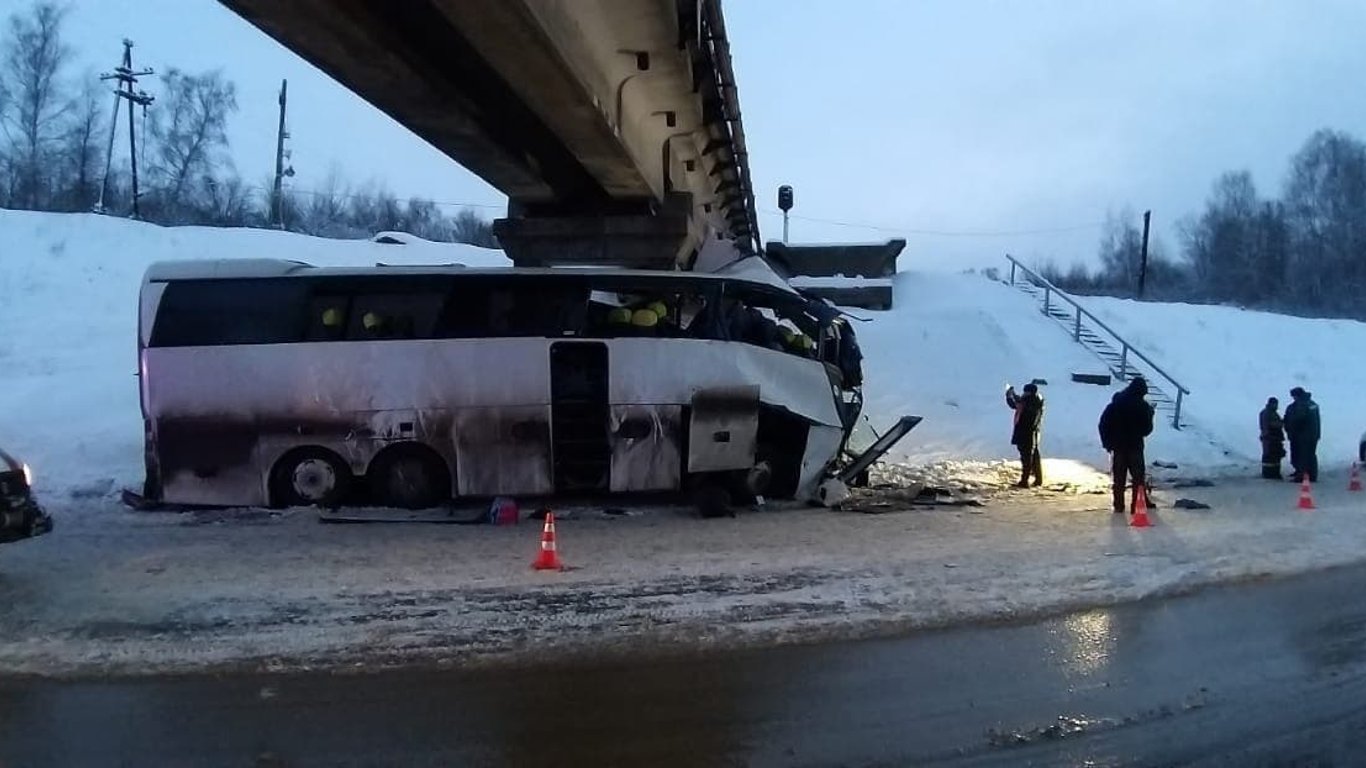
{"points": [[724, 429], [646, 452], [503, 450]]}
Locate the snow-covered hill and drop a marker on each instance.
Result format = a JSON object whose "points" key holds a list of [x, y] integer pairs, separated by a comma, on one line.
{"points": [[68, 396]]}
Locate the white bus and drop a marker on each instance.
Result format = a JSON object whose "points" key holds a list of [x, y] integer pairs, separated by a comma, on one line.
{"points": [[271, 382]]}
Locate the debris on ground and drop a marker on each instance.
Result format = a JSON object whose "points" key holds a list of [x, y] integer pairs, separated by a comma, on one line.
{"points": [[1190, 504]]}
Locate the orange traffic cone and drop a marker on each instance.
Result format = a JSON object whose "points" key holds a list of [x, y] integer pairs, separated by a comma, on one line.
{"points": [[1306, 494], [549, 559], [1354, 484], [1140, 518]]}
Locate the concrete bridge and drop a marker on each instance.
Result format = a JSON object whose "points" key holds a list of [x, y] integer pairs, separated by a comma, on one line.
{"points": [[613, 126]]}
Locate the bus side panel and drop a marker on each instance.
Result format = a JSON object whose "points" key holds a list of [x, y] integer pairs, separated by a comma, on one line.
{"points": [[504, 451], [646, 445], [650, 371]]}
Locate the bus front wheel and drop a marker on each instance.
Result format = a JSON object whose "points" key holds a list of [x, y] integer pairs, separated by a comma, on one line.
{"points": [[310, 477]]}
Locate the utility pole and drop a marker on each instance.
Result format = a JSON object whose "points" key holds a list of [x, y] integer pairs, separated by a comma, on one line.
{"points": [[1143, 255], [127, 81], [277, 201]]}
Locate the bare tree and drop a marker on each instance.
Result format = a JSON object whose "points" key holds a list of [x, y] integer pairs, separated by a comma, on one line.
{"points": [[34, 58], [1325, 211], [470, 227], [82, 148], [189, 134], [1121, 253]]}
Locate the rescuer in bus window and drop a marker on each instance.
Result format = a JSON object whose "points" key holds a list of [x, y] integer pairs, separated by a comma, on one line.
{"points": [[333, 327], [374, 325]]}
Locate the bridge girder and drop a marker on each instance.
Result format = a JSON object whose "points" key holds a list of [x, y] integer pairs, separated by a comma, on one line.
{"points": [[573, 108]]}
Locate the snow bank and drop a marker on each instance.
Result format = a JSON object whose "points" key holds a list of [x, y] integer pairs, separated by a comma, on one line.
{"points": [[1232, 360], [952, 344], [68, 328]]}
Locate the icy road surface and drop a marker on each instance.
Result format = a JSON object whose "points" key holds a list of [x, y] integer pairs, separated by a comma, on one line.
{"points": [[114, 590]]}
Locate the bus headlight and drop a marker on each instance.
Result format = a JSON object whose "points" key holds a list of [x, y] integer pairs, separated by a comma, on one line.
{"points": [[28, 476]]}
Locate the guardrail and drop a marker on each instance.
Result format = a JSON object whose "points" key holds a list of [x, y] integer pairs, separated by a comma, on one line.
{"points": [[1051, 291]]}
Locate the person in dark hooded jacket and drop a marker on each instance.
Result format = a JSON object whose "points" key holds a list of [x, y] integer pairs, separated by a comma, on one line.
{"points": [[1124, 424], [1302, 429], [1025, 434], [1273, 439]]}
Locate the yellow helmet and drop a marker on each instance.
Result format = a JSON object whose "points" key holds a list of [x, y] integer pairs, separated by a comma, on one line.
{"points": [[332, 318], [659, 308], [619, 316], [644, 318], [371, 321]]}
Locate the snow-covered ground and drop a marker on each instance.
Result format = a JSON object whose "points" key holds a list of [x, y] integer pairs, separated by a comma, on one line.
{"points": [[111, 588], [117, 591]]}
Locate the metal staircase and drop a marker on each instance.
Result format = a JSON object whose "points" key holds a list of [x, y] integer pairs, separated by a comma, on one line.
{"points": [[1086, 329]]}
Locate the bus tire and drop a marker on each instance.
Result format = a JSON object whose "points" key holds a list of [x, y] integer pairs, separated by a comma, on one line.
{"points": [[409, 476], [309, 477]]}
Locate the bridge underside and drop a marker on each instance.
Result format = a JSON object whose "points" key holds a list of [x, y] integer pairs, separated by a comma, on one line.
{"points": [[613, 126]]}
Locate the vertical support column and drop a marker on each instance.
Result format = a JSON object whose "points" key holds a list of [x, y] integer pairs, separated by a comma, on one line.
{"points": [[1076, 331], [1176, 417], [1047, 295], [1124, 362]]}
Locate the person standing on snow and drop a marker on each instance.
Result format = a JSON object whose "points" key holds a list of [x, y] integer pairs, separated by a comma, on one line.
{"points": [[1124, 424], [1273, 439], [1302, 428], [1025, 434]]}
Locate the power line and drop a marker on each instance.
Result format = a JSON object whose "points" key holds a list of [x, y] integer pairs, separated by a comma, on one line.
{"points": [[942, 232]]}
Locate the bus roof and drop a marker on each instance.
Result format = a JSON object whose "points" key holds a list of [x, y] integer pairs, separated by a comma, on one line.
{"points": [[227, 269]]}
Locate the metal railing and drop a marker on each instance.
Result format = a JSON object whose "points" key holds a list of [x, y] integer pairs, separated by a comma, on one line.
{"points": [[1050, 292]]}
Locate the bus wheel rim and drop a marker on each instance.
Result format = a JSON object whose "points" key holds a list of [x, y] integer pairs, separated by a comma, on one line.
{"points": [[314, 479]]}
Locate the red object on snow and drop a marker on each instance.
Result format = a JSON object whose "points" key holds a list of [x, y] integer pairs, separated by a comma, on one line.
{"points": [[1354, 484], [1306, 495], [1140, 518], [549, 559]]}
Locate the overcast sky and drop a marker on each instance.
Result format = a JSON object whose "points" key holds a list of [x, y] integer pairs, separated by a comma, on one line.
{"points": [[921, 117]]}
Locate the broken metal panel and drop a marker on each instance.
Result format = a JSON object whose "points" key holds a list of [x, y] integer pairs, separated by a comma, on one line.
{"points": [[724, 429], [646, 447], [791, 382], [503, 451], [822, 448]]}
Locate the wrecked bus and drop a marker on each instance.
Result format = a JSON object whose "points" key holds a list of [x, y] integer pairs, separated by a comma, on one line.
{"points": [[272, 382]]}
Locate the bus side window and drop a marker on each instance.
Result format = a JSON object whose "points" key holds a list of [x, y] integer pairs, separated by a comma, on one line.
{"points": [[409, 315], [197, 313]]}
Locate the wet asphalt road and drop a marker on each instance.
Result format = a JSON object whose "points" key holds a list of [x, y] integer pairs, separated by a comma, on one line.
{"points": [[1260, 674]]}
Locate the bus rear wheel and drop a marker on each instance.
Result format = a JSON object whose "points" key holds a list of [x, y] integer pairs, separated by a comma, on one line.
{"points": [[409, 477], [310, 477]]}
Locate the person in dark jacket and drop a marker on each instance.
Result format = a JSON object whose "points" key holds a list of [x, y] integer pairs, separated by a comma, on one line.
{"points": [[1124, 424], [1025, 435], [1273, 439], [1302, 428]]}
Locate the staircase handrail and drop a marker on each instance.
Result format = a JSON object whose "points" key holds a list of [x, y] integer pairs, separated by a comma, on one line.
{"points": [[1048, 287]]}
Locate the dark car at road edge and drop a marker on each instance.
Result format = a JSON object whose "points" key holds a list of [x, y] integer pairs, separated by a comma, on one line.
{"points": [[20, 515]]}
